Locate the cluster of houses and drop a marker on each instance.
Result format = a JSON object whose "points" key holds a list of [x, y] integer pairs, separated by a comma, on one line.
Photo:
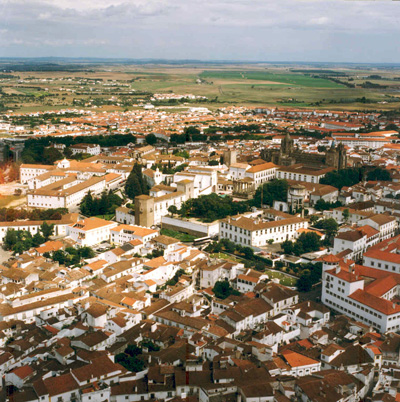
{"points": [[149, 317]]}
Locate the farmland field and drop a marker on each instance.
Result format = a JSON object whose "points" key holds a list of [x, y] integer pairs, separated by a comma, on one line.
{"points": [[107, 87]]}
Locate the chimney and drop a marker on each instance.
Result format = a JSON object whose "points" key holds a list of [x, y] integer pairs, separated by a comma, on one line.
{"points": [[338, 269]]}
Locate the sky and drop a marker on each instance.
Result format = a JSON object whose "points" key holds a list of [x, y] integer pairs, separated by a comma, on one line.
{"points": [[355, 31]]}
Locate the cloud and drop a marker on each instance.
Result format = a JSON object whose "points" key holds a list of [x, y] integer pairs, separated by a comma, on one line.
{"points": [[217, 29]]}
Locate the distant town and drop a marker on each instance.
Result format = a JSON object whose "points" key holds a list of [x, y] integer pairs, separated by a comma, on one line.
{"points": [[186, 250]]}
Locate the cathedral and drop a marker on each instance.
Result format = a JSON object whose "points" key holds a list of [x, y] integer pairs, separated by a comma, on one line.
{"points": [[289, 155]]}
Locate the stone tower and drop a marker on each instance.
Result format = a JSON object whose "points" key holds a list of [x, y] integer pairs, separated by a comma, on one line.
{"points": [[187, 187], [342, 156], [144, 210], [230, 157], [336, 156]]}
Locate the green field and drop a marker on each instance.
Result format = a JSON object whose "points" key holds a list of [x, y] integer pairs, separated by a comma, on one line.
{"points": [[290, 78]]}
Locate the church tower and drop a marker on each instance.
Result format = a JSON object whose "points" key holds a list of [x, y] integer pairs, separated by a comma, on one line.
{"points": [[287, 145]]}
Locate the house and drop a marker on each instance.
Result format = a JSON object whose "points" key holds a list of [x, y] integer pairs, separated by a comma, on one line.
{"points": [[124, 233], [125, 215], [97, 340], [385, 224], [19, 376], [299, 365], [332, 385], [210, 273], [63, 387]]}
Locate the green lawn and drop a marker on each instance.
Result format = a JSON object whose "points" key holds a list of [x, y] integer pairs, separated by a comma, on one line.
{"points": [[106, 216], [177, 235], [284, 279], [225, 256]]}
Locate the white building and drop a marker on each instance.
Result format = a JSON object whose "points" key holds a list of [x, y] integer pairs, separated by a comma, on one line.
{"points": [[91, 149], [261, 173], [300, 173], [65, 193], [256, 232], [124, 233], [125, 215], [345, 291], [91, 231]]}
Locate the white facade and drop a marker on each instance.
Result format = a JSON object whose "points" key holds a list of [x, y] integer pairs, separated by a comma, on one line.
{"points": [[28, 172], [254, 232], [345, 293], [125, 215], [91, 149], [90, 231], [65, 197], [124, 233]]}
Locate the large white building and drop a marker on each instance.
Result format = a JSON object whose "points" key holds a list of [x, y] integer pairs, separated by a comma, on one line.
{"points": [[367, 293], [65, 193], [256, 232], [300, 173]]}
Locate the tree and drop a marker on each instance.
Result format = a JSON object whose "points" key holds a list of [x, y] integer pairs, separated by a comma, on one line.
{"points": [[314, 219], [46, 230], [133, 364], [213, 163], [37, 239], [10, 239], [310, 241], [259, 266], [248, 253], [132, 186], [322, 205], [133, 350], [346, 215], [151, 139], [287, 247], [59, 256], [391, 126], [86, 252], [329, 225], [135, 184], [275, 190], [343, 178], [103, 203], [50, 155], [173, 210], [222, 289], [86, 205], [379, 174], [304, 283], [192, 134], [19, 247]]}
